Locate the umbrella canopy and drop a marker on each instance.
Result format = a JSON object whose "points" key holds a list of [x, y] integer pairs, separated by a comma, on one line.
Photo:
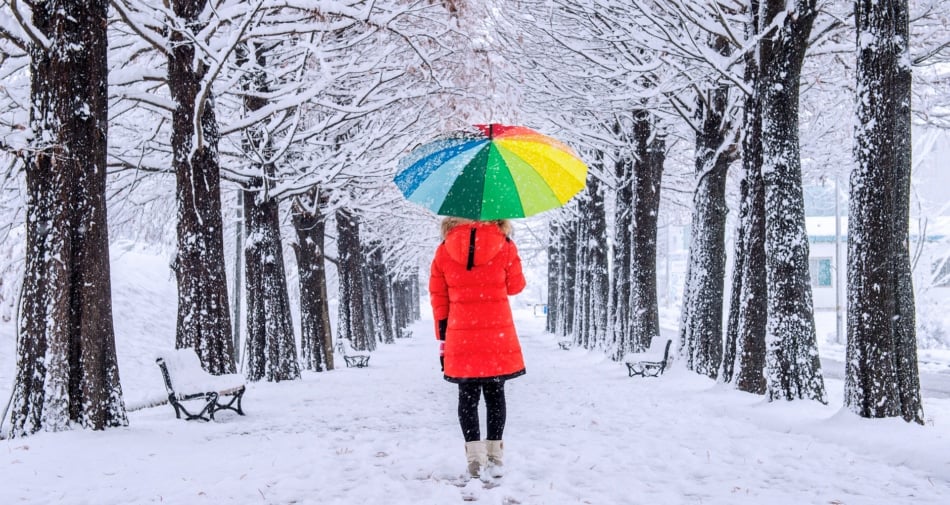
{"points": [[491, 172]]}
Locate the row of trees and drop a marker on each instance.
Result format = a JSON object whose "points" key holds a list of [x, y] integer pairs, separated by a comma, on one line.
{"points": [[295, 104], [731, 74], [304, 109]]}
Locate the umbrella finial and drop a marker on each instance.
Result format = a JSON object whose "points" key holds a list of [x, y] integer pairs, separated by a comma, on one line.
{"points": [[491, 130]]}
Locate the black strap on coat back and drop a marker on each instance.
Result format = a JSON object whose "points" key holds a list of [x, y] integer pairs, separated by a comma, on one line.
{"points": [[471, 250]]}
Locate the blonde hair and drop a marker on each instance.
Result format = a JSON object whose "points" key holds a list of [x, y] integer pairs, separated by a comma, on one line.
{"points": [[451, 222]]}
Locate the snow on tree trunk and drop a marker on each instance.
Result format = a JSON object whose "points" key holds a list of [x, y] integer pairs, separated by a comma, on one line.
{"points": [[701, 325], [405, 301], [793, 370], [566, 240], [554, 284], [650, 152], [744, 356], [595, 290], [66, 362], [270, 348], [581, 310], [620, 306], [271, 351], [316, 344], [380, 293], [882, 378], [748, 314], [203, 315], [351, 325]]}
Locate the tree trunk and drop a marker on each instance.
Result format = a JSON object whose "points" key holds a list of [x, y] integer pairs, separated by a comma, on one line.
{"points": [[748, 326], [351, 325], [66, 363], [792, 367], [316, 343], [554, 279], [370, 317], [405, 302], [882, 378], [596, 285], [744, 360], [701, 325], [203, 314], [380, 293], [271, 349], [622, 252], [650, 150], [568, 278], [582, 294]]}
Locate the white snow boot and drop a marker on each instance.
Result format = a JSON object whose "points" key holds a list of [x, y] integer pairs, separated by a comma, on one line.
{"points": [[495, 456], [477, 456]]}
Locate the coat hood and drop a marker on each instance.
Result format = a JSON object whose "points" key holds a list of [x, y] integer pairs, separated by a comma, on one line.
{"points": [[474, 244]]}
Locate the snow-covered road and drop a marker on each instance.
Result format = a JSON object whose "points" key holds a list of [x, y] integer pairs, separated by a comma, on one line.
{"points": [[579, 431]]}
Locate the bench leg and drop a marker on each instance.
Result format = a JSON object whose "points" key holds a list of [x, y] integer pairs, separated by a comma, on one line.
{"points": [[235, 399], [206, 413], [635, 369]]}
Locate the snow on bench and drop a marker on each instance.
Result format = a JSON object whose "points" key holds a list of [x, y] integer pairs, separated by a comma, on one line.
{"points": [[652, 362], [186, 380]]}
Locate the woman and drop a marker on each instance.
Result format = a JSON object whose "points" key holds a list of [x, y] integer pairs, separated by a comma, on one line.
{"points": [[474, 271]]}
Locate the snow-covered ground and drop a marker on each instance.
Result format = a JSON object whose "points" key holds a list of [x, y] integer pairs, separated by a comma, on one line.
{"points": [[579, 431]]}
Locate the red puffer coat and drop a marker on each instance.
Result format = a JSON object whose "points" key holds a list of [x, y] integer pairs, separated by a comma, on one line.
{"points": [[473, 272]]}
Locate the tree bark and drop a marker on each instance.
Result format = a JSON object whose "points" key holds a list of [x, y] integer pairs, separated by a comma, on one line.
{"points": [[597, 284], [744, 360], [568, 275], [882, 378], [749, 313], [271, 352], [554, 279], [381, 293], [316, 343], [67, 371], [622, 251], [203, 315], [351, 325], [701, 325], [792, 367], [405, 302], [650, 151]]}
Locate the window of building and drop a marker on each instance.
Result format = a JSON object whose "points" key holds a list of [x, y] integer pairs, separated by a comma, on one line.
{"points": [[819, 269]]}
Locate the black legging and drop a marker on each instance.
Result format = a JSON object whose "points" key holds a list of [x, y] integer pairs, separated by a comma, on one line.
{"points": [[469, 395]]}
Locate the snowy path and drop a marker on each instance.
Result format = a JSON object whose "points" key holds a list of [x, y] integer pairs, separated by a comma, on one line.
{"points": [[579, 431]]}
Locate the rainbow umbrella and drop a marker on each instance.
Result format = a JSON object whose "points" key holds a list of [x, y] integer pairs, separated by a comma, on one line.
{"points": [[491, 172]]}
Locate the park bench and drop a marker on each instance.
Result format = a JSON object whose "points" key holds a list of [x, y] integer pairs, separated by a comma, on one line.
{"points": [[358, 360], [352, 360], [185, 380], [565, 345], [652, 362]]}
